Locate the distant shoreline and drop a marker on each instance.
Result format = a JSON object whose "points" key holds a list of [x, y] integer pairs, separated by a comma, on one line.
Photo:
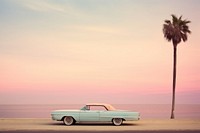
{"points": [[150, 111]]}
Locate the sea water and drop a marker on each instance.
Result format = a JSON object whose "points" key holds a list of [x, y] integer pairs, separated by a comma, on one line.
{"points": [[147, 111]]}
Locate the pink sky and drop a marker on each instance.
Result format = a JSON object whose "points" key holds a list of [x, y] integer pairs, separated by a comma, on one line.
{"points": [[55, 52]]}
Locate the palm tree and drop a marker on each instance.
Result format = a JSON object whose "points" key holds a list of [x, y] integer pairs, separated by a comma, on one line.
{"points": [[175, 31]]}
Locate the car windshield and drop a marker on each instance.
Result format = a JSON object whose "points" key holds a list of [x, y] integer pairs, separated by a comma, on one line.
{"points": [[84, 108]]}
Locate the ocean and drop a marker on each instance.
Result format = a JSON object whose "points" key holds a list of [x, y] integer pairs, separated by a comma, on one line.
{"points": [[147, 111]]}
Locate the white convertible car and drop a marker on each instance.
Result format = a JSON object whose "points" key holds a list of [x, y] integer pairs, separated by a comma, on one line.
{"points": [[95, 112]]}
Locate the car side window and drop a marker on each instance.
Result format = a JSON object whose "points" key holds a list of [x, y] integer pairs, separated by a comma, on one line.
{"points": [[87, 107], [98, 108]]}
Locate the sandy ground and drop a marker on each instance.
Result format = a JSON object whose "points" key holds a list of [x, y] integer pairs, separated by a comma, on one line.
{"points": [[141, 125]]}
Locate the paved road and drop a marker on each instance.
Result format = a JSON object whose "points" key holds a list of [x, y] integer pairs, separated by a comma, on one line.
{"points": [[189, 131], [142, 126]]}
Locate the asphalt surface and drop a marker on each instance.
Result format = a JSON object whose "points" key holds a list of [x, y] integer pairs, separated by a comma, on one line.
{"points": [[39, 131]]}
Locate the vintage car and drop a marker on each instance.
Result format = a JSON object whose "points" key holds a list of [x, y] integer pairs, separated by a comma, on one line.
{"points": [[95, 112]]}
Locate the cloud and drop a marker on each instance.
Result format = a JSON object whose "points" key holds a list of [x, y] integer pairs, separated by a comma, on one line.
{"points": [[42, 6], [53, 7], [96, 29]]}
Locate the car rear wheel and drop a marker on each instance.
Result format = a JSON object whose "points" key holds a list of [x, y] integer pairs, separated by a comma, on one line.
{"points": [[117, 121], [68, 120]]}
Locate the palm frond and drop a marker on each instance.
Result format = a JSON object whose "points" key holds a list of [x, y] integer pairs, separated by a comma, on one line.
{"points": [[184, 37], [174, 19], [186, 21], [180, 17], [168, 21]]}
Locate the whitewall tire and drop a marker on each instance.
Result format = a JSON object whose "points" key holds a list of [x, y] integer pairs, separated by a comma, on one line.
{"points": [[68, 120], [117, 121]]}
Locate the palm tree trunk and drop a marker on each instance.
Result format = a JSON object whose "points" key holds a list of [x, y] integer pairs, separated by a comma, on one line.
{"points": [[174, 81]]}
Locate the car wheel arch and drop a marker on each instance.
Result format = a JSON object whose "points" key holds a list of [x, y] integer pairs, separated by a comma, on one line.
{"points": [[67, 116], [119, 117]]}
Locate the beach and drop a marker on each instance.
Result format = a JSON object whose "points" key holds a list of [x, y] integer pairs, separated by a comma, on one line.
{"points": [[143, 126], [154, 118]]}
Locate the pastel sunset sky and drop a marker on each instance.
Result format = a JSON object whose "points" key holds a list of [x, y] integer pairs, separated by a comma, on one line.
{"points": [[80, 51]]}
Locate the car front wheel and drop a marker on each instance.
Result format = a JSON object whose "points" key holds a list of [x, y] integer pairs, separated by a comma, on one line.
{"points": [[117, 121], [68, 120]]}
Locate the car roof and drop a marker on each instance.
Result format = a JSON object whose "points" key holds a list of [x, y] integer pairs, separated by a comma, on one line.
{"points": [[107, 106], [98, 104]]}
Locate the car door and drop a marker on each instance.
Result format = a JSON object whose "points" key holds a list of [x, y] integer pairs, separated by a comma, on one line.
{"points": [[105, 116], [89, 116]]}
